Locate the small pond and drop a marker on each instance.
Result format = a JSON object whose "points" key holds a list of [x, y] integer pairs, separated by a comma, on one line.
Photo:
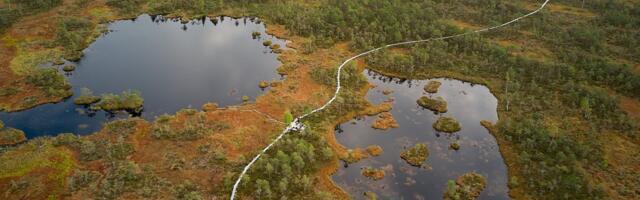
{"points": [[173, 65], [468, 103]]}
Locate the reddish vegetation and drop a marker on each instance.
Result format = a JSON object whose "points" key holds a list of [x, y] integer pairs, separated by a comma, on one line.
{"points": [[385, 121], [374, 150]]}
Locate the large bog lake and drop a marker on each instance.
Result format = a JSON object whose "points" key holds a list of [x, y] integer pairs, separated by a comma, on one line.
{"points": [[174, 65]]}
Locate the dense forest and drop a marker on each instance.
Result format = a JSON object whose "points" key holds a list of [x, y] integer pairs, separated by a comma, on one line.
{"points": [[559, 76]]}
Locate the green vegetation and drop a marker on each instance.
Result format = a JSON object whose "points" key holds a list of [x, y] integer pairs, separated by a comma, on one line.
{"points": [[287, 169], [288, 117], [416, 155], [455, 145], [130, 100], [468, 186], [51, 82], [255, 34], [263, 84], [432, 86], [86, 97], [447, 125], [69, 68], [438, 105], [266, 43]]}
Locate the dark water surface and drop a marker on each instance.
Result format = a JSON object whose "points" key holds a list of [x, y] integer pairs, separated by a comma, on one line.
{"points": [[478, 152], [173, 65]]}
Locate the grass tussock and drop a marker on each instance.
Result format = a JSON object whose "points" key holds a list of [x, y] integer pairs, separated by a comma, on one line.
{"points": [[447, 125], [438, 105]]}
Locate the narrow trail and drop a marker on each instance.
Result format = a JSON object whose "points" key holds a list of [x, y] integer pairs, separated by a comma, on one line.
{"points": [[297, 125]]}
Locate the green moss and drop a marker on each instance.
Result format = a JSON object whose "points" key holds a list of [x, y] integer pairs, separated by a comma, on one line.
{"points": [[245, 98], [447, 125], [26, 62], [438, 105], [86, 97], [416, 155], [369, 195]]}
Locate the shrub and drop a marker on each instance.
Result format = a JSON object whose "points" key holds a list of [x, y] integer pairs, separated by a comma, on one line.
{"points": [[266, 43], [447, 125]]}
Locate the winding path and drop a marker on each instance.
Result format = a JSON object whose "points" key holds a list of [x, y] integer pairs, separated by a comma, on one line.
{"points": [[297, 125]]}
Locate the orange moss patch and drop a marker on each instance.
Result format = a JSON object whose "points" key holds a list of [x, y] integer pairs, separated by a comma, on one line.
{"points": [[385, 121], [355, 155], [373, 173], [374, 150]]}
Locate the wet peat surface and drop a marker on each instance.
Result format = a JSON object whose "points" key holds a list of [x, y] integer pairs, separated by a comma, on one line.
{"points": [[467, 103], [173, 65]]}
